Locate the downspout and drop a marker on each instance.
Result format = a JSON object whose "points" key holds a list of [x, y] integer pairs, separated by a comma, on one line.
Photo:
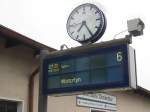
{"points": [[31, 89]]}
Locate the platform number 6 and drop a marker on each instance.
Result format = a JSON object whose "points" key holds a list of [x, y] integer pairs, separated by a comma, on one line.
{"points": [[119, 57]]}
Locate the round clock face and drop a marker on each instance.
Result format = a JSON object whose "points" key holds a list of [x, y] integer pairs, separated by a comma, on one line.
{"points": [[86, 23]]}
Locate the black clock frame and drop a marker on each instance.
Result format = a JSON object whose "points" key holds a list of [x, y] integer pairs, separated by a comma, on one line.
{"points": [[99, 33]]}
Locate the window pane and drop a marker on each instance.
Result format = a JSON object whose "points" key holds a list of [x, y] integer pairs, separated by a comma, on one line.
{"points": [[8, 106]]}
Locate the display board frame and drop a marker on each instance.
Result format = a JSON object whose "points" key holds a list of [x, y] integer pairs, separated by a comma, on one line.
{"points": [[124, 48]]}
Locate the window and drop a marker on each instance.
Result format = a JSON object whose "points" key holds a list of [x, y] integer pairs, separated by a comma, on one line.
{"points": [[8, 106]]}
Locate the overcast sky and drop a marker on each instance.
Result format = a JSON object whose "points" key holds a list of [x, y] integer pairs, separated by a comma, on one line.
{"points": [[45, 21]]}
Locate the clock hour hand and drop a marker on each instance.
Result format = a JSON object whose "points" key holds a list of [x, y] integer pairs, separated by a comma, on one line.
{"points": [[81, 26], [88, 29]]}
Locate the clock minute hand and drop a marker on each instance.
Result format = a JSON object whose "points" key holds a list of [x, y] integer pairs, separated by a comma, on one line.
{"points": [[88, 29]]}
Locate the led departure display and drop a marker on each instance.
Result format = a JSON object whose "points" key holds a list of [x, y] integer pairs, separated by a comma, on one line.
{"points": [[96, 69]]}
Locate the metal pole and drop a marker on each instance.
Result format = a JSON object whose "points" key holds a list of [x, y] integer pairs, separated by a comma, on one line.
{"points": [[42, 99]]}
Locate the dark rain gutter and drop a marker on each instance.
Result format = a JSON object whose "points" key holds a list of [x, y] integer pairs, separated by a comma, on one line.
{"points": [[31, 89]]}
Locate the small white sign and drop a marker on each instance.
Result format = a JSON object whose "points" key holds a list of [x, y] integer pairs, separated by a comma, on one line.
{"points": [[100, 101], [100, 97], [87, 103]]}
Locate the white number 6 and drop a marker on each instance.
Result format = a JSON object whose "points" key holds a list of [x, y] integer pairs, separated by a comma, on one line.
{"points": [[119, 56]]}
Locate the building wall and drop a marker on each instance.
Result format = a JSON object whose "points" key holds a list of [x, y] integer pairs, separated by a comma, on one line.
{"points": [[132, 102], [127, 101], [16, 64]]}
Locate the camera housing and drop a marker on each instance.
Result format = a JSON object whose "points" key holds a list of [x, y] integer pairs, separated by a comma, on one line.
{"points": [[135, 27]]}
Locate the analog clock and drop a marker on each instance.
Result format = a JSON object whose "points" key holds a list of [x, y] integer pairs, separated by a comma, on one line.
{"points": [[86, 23]]}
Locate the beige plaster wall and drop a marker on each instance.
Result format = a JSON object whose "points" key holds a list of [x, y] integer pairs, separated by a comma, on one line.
{"points": [[128, 101], [16, 64]]}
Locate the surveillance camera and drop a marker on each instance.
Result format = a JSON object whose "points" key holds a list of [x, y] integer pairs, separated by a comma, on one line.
{"points": [[135, 27]]}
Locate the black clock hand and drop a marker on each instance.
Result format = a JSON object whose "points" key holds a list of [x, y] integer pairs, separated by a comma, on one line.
{"points": [[84, 23], [80, 26], [88, 29]]}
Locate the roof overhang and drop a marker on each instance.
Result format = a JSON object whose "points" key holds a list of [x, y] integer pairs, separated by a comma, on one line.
{"points": [[13, 38]]}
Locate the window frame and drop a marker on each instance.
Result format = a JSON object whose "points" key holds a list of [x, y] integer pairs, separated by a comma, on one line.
{"points": [[20, 103]]}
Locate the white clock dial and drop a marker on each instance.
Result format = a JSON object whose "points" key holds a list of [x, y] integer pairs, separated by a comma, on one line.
{"points": [[85, 23]]}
